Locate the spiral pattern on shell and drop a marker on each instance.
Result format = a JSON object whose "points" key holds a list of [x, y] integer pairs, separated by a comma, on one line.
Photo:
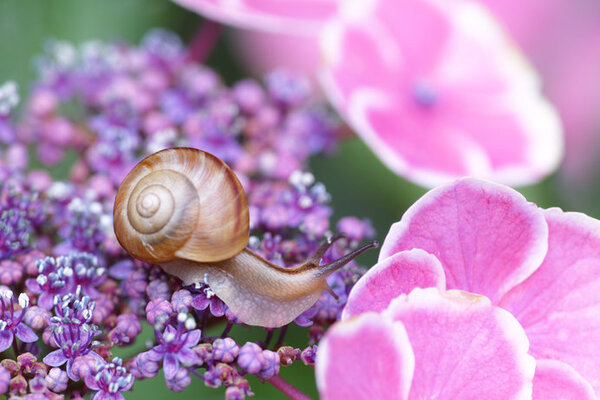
{"points": [[181, 203]]}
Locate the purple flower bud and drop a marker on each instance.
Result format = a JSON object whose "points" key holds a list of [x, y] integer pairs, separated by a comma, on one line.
{"points": [[234, 393], [37, 384], [135, 285], [286, 89], [57, 380], [271, 365], [29, 261], [104, 307], [26, 361], [181, 300], [308, 355], [83, 366], [18, 385], [180, 381], [287, 355], [15, 232], [225, 350], [128, 325], [10, 272], [158, 289], [251, 358], [249, 96], [158, 311], [37, 317], [146, 367], [4, 379], [204, 351], [211, 378], [356, 229]]}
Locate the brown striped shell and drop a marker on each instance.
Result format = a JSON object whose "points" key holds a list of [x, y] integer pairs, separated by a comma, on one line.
{"points": [[181, 203]]}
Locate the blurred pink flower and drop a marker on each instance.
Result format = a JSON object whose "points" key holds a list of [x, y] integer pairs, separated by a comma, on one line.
{"points": [[542, 266], [562, 40], [438, 91], [425, 345], [287, 16]]}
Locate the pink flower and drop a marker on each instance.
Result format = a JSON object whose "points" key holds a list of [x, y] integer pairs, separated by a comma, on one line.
{"points": [[561, 40], [289, 16], [438, 91], [541, 266]]}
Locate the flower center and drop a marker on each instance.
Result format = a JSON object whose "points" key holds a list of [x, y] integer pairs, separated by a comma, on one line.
{"points": [[424, 94]]}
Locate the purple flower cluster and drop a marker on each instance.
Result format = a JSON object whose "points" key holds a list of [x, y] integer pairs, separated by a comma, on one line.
{"points": [[111, 105], [72, 332]]}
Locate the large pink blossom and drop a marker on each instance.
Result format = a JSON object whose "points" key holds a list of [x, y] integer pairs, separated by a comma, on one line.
{"points": [[541, 266], [438, 91]]}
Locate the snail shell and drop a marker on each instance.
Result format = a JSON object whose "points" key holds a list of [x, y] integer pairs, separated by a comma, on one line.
{"points": [[181, 203]]}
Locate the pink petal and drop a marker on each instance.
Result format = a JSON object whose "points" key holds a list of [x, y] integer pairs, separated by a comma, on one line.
{"points": [[392, 277], [558, 305], [487, 236], [438, 92], [368, 357], [465, 348], [555, 380], [297, 16]]}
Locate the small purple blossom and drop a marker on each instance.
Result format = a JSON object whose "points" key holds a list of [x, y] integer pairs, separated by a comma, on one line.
{"points": [[54, 278], [110, 380], [84, 227], [15, 233], [174, 348], [205, 298], [11, 316], [72, 331], [87, 273]]}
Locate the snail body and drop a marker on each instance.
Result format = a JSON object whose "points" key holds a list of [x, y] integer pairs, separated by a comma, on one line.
{"points": [[185, 210]]}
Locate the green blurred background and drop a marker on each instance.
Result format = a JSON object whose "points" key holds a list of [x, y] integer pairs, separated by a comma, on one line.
{"points": [[359, 183]]}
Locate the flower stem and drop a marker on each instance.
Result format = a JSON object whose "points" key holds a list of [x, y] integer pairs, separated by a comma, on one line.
{"points": [[287, 388], [204, 40], [227, 329], [15, 346], [281, 336]]}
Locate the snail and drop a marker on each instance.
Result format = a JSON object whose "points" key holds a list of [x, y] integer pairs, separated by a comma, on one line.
{"points": [[185, 210]]}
